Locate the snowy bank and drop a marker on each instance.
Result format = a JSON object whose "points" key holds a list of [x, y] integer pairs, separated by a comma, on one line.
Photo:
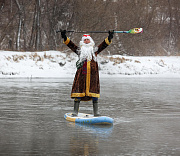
{"points": [[59, 64]]}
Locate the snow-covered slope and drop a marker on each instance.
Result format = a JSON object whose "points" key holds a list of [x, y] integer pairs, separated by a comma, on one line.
{"points": [[59, 64]]}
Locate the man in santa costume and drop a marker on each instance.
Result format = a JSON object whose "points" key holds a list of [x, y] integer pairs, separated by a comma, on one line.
{"points": [[86, 82]]}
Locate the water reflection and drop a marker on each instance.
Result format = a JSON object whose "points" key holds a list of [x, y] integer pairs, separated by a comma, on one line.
{"points": [[87, 137], [145, 112], [103, 131]]}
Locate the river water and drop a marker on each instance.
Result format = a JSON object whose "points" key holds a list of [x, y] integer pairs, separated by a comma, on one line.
{"points": [[146, 113]]}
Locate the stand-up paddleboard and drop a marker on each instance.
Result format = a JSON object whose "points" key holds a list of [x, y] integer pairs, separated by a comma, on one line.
{"points": [[88, 119]]}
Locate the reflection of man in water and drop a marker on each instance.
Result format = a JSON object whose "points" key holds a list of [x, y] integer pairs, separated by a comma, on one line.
{"points": [[86, 138], [83, 145], [86, 82]]}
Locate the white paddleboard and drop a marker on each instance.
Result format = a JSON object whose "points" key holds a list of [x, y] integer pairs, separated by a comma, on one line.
{"points": [[88, 119]]}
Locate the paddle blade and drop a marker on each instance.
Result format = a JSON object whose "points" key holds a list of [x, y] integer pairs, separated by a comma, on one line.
{"points": [[136, 30]]}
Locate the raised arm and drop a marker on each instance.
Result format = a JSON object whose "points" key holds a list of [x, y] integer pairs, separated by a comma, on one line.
{"points": [[68, 42], [106, 42]]}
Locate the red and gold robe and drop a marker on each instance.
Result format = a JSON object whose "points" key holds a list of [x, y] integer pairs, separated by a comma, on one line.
{"points": [[86, 82]]}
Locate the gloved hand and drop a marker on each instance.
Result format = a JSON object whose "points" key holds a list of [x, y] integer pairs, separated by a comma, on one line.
{"points": [[63, 35], [111, 33]]}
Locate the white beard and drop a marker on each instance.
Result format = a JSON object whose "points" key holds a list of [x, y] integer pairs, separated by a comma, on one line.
{"points": [[86, 51]]}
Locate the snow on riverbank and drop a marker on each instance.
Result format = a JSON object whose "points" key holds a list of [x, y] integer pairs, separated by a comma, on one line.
{"points": [[59, 64]]}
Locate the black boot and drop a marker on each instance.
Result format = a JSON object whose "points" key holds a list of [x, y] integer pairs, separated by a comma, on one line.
{"points": [[76, 108], [95, 108]]}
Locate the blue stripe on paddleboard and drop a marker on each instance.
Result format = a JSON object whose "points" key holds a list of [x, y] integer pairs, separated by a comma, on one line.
{"points": [[95, 120]]}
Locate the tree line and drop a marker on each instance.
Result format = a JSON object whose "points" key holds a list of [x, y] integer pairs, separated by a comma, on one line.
{"points": [[31, 25]]}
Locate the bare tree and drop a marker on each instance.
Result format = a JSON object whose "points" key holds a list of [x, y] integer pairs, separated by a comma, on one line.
{"points": [[19, 26], [32, 25], [36, 28]]}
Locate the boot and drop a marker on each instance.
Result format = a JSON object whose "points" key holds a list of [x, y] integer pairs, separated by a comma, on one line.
{"points": [[76, 108], [95, 108]]}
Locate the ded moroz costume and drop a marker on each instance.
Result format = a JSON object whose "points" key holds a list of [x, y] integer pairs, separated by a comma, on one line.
{"points": [[86, 82]]}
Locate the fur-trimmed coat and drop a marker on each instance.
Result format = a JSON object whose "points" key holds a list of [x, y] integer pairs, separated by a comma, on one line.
{"points": [[86, 82]]}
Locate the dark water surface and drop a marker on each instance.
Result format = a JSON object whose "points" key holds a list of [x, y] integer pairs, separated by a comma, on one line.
{"points": [[146, 114]]}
